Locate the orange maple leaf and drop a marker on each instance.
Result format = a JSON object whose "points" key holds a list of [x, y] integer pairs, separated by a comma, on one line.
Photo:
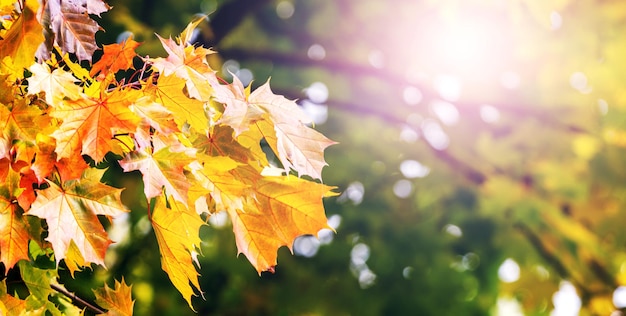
{"points": [[14, 235], [286, 207], [89, 124], [116, 57], [71, 212], [118, 300]]}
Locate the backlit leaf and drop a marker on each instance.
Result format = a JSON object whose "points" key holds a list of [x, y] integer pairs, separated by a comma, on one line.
{"points": [[71, 214], [285, 209], [177, 229], [118, 300]]}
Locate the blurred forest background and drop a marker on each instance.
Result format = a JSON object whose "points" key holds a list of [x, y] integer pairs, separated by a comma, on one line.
{"points": [[480, 165]]}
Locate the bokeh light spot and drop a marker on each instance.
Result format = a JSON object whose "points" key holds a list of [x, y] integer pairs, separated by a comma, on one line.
{"points": [[446, 112], [448, 87], [412, 95], [124, 36], [556, 20], [619, 297], [578, 81], [306, 246], [403, 188], [509, 271], [317, 92], [566, 301], [316, 52], [408, 135], [354, 193], [413, 169], [453, 230], [603, 106], [376, 59], [285, 9], [435, 135], [489, 113], [318, 113], [219, 219]]}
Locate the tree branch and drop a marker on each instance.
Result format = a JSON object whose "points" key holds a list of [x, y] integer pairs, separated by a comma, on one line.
{"points": [[77, 300], [229, 16], [351, 69]]}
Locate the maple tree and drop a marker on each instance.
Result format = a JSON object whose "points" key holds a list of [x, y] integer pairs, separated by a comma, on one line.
{"points": [[195, 139]]}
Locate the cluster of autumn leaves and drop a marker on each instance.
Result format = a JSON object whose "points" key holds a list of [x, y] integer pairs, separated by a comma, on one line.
{"points": [[194, 138]]}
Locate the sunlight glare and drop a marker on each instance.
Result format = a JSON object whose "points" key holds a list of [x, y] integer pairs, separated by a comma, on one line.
{"points": [[464, 43], [448, 87]]}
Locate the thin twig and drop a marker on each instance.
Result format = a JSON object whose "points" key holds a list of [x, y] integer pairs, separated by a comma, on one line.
{"points": [[77, 300]]}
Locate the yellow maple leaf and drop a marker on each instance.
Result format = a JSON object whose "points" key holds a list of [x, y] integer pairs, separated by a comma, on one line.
{"points": [[177, 232], [169, 92], [118, 300], [21, 41]]}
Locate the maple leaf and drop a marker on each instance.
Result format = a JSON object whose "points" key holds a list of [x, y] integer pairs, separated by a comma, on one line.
{"points": [[177, 232], [227, 190], [21, 40], [10, 305], [57, 84], [298, 146], [22, 120], [13, 230], [155, 114], [187, 62], [89, 124], [162, 169], [238, 113], [118, 300], [169, 92], [71, 214], [279, 120], [116, 57], [68, 24], [286, 207]]}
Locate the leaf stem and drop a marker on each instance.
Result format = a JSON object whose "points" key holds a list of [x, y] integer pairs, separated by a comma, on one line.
{"points": [[77, 300]]}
